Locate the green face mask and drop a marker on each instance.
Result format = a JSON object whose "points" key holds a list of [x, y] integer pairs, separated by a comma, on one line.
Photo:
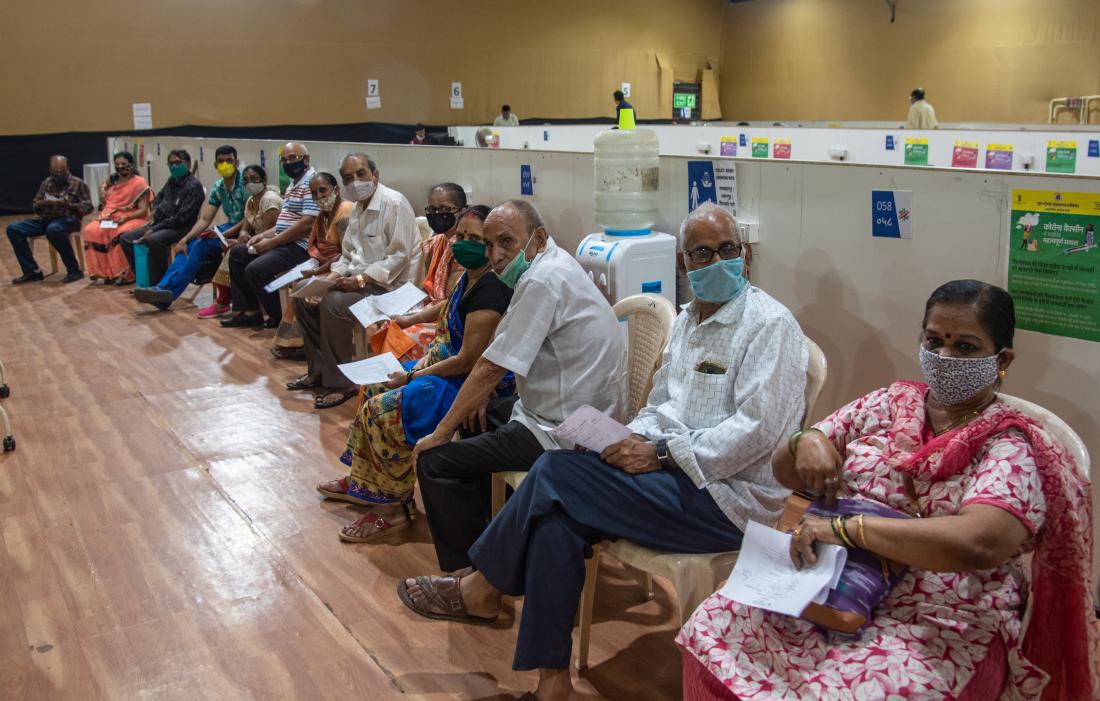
{"points": [[515, 270], [470, 254], [178, 170]]}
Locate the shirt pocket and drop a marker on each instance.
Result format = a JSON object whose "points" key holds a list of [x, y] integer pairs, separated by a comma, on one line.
{"points": [[706, 401]]}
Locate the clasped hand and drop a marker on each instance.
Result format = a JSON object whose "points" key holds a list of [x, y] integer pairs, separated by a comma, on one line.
{"points": [[817, 465]]}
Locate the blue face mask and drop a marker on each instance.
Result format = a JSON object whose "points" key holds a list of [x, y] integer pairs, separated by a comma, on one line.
{"points": [[719, 282]]}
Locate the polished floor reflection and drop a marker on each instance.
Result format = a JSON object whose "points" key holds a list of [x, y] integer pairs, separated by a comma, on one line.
{"points": [[161, 538]]}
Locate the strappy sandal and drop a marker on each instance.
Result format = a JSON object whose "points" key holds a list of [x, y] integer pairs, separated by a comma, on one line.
{"points": [[442, 600], [338, 490], [322, 403], [303, 382], [375, 526]]}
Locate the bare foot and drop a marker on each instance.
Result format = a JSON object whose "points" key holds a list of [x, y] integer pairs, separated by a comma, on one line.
{"points": [[480, 598], [555, 685]]}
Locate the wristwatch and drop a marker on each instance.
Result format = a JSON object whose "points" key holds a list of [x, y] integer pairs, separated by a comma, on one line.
{"points": [[361, 281], [663, 456]]}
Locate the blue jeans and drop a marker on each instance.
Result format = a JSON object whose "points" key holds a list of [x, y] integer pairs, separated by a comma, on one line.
{"points": [[536, 546], [186, 266], [55, 230]]}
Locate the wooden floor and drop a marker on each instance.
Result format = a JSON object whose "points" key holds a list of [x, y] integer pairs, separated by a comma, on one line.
{"points": [[161, 537]]}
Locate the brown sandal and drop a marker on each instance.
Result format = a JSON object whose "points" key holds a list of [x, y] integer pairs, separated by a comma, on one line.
{"points": [[323, 402], [442, 600]]}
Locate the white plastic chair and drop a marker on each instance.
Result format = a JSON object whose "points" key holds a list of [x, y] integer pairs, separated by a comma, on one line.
{"points": [[648, 325]]}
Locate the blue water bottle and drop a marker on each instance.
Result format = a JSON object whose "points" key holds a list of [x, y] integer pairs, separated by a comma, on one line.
{"points": [[141, 264]]}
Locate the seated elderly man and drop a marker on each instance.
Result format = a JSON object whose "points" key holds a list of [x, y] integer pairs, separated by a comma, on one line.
{"points": [[379, 253], [695, 469], [61, 202], [560, 339]]}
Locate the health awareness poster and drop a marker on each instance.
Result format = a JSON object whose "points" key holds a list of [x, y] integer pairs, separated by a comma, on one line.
{"points": [[1053, 261], [965, 154], [916, 152], [759, 147], [998, 156], [1061, 156]]}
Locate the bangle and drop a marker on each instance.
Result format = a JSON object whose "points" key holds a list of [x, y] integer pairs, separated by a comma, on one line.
{"points": [[843, 522], [862, 537], [792, 442], [361, 281], [836, 530], [409, 376]]}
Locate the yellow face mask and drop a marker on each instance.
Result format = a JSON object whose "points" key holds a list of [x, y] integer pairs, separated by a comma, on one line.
{"points": [[226, 170]]}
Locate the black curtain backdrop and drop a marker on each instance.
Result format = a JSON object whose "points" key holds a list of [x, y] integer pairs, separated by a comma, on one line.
{"points": [[25, 158]]}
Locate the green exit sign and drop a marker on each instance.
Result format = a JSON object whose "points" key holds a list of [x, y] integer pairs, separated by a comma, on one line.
{"points": [[683, 99]]}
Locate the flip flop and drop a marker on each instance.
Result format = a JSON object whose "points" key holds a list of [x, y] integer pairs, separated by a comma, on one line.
{"points": [[442, 600], [303, 382]]}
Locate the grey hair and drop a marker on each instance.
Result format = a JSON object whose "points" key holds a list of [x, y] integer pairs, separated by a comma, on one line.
{"points": [[703, 211], [532, 220], [363, 157]]}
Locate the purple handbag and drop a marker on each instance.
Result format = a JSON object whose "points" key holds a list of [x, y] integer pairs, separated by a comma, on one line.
{"points": [[866, 579]]}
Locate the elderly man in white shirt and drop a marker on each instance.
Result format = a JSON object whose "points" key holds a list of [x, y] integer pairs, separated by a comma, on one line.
{"points": [[695, 469], [380, 252], [561, 340]]}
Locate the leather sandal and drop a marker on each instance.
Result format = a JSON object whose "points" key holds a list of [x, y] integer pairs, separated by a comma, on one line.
{"points": [[441, 601], [371, 526], [323, 402], [303, 382], [338, 490]]}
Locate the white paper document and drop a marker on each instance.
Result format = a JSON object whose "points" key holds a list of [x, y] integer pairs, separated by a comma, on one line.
{"points": [[591, 428], [378, 308], [290, 276], [107, 224], [765, 577], [316, 287], [373, 370]]}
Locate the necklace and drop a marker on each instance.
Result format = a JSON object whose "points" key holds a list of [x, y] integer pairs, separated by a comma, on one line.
{"points": [[964, 419]]}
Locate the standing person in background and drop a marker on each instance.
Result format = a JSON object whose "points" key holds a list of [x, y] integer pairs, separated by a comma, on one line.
{"points": [[921, 114], [202, 242], [506, 118], [275, 251], [62, 201], [420, 136], [175, 210], [125, 198], [620, 104]]}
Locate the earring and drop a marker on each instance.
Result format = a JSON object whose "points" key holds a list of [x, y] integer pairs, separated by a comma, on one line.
{"points": [[1001, 373]]}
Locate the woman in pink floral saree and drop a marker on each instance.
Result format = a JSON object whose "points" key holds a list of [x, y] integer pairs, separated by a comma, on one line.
{"points": [[998, 508]]}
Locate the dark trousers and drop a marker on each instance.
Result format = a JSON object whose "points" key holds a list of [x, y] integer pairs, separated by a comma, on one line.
{"points": [[186, 265], [160, 245], [537, 544], [56, 231], [327, 330], [249, 273], [456, 481]]}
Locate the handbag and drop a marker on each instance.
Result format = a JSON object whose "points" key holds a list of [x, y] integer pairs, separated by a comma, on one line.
{"points": [[866, 578]]}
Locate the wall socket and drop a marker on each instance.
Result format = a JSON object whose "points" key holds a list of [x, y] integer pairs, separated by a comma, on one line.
{"points": [[749, 231]]}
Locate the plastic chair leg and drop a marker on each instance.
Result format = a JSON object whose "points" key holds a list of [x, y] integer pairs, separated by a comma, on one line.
{"points": [[588, 600]]}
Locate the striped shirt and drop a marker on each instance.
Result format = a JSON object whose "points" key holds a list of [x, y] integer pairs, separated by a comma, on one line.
{"points": [[297, 203]]}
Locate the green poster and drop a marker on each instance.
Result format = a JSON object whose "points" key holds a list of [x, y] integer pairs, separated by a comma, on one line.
{"points": [[759, 147], [1053, 260], [1061, 156], [284, 179], [916, 152]]}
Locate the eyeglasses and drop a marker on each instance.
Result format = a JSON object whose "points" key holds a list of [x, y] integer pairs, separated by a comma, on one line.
{"points": [[441, 210], [703, 254], [290, 159]]}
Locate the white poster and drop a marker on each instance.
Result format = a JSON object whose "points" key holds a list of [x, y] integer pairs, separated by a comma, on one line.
{"points": [[725, 185], [625, 89], [374, 98], [143, 115]]}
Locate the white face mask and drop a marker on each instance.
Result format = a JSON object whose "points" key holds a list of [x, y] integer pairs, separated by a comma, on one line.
{"points": [[254, 188], [359, 190], [954, 380]]}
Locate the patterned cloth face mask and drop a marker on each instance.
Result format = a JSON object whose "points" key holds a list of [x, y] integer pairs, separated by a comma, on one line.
{"points": [[954, 380]]}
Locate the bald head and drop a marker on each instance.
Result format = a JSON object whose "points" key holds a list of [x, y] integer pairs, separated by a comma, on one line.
{"points": [[295, 149], [59, 165], [509, 229], [708, 221]]}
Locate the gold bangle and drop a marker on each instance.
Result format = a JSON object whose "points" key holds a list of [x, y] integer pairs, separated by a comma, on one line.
{"points": [[359, 279], [862, 536]]}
